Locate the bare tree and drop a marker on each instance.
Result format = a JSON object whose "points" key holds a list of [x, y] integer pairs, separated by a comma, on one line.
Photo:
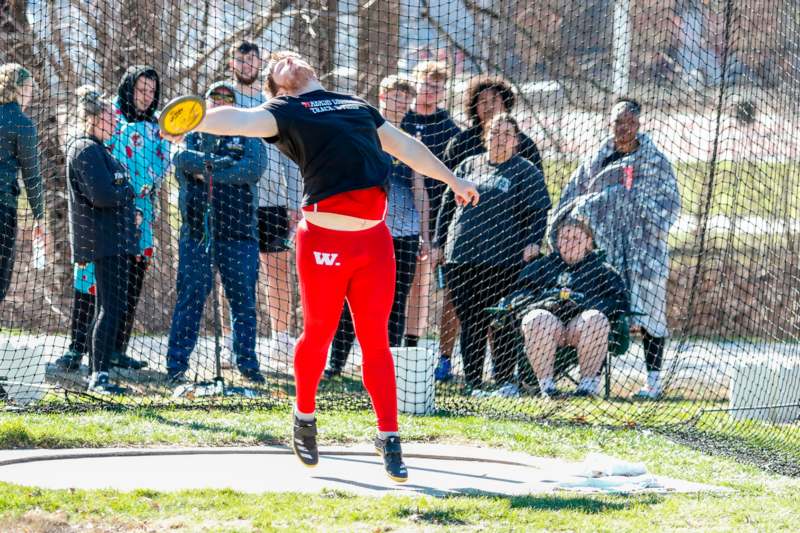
{"points": [[378, 46]]}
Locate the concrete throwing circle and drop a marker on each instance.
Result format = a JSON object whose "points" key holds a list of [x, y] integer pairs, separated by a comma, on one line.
{"points": [[434, 470]]}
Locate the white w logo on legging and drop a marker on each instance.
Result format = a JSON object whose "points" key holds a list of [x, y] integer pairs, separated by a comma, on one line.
{"points": [[323, 258]]}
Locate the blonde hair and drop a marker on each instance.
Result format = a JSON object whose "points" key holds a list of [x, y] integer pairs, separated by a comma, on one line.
{"points": [[396, 83], [433, 69], [91, 104], [12, 76]]}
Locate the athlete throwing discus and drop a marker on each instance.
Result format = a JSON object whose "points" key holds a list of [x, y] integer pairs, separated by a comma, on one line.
{"points": [[344, 249]]}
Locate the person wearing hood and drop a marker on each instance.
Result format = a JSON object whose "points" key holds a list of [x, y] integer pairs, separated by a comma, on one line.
{"points": [[18, 155], [138, 145], [223, 234], [431, 124], [572, 296], [628, 193]]}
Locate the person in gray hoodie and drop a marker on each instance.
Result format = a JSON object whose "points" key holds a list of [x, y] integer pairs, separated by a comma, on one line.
{"points": [[627, 190], [18, 155]]}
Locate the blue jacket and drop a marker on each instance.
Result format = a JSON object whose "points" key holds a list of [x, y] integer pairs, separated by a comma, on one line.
{"points": [[18, 152], [238, 163]]}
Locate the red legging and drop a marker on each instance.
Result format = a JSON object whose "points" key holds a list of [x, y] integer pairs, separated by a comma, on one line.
{"points": [[357, 265]]}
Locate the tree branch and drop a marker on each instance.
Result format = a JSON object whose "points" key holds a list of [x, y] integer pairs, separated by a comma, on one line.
{"points": [[477, 60], [256, 27]]}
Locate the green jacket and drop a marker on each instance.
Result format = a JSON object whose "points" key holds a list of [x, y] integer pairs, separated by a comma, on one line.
{"points": [[18, 152]]}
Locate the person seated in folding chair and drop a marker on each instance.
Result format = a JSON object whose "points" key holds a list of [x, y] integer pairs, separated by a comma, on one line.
{"points": [[571, 298]]}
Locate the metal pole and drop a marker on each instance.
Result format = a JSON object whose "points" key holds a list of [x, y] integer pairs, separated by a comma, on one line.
{"points": [[219, 382]]}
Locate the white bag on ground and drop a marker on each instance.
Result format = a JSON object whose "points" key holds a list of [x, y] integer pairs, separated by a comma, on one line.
{"points": [[600, 465], [602, 473]]}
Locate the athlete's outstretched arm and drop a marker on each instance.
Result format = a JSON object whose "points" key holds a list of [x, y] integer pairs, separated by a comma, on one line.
{"points": [[256, 122], [413, 153]]}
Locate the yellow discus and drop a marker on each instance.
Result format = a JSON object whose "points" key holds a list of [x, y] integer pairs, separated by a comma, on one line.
{"points": [[182, 114]]}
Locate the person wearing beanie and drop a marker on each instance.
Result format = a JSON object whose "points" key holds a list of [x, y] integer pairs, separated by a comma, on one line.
{"points": [[574, 298]]}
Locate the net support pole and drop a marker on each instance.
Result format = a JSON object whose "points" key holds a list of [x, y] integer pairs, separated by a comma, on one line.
{"points": [[622, 46]]}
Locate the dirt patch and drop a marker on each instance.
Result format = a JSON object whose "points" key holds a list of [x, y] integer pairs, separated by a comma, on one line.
{"points": [[39, 521]]}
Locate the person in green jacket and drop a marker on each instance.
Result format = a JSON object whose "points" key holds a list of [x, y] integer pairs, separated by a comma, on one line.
{"points": [[18, 154]]}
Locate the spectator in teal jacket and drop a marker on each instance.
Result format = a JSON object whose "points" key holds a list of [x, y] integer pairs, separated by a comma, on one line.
{"points": [[18, 155], [138, 145]]}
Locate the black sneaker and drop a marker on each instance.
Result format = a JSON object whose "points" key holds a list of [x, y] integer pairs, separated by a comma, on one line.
{"points": [[253, 375], [331, 373], [304, 442], [100, 384], [392, 455], [120, 360], [69, 362], [551, 394], [584, 393]]}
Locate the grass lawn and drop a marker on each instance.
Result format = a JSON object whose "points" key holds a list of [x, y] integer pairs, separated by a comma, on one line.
{"points": [[761, 501]]}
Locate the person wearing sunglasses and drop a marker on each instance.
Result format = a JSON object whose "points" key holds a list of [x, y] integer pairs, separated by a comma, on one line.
{"points": [[218, 199]]}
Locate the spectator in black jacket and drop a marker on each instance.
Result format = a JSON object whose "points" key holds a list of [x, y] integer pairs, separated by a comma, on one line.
{"points": [[431, 124], [487, 245], [487, 96], [576, 295], [102, 225]]}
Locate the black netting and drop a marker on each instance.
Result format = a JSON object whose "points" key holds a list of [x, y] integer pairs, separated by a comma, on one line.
{"points": [[660, 133]]}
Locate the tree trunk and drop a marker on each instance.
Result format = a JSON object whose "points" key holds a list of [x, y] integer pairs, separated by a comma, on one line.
{"points": [[314, 33], [378, 46]]}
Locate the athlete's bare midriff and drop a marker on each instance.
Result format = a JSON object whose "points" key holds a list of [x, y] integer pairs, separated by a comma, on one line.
{"points": [[339, 222]]}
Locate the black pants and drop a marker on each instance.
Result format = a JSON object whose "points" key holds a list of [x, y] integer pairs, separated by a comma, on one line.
{"points": [[405, 256], [111, 275], [8, 241], [473, 289], [82, 316], [135, 284], [653, 351]]}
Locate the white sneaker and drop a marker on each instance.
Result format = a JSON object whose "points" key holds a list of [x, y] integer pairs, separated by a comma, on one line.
{"points": [[649, 394], [228, 357], [281, 347], [509, 390], [653, 389]]}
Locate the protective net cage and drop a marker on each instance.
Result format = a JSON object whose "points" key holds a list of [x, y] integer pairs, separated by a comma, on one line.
{"points": [[632, 262]]}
